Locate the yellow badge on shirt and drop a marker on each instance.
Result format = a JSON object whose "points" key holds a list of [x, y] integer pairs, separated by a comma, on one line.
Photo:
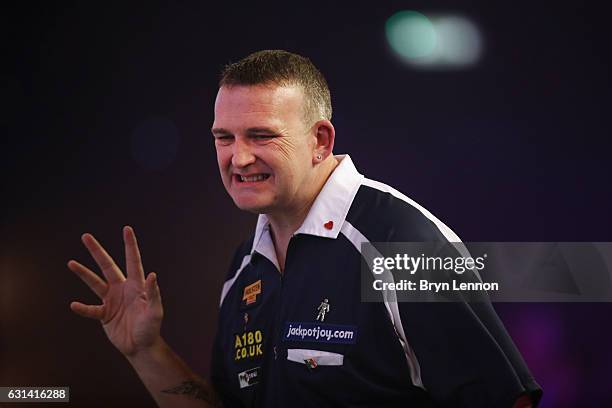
{"points": [[251, 292]]}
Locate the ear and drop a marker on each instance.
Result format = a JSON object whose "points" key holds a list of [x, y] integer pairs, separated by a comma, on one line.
{"points": [[325, 135]]}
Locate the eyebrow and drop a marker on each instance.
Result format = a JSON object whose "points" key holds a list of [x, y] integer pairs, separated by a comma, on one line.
{"points": [[259, 129]]}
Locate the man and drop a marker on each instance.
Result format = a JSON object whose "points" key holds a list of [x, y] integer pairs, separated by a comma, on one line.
{"points": [[274, 346]]}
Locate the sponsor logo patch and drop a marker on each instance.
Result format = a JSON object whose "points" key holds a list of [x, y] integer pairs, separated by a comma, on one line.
{"points": [[249, 295], [320, 333], [248, 345], [249, 377]]}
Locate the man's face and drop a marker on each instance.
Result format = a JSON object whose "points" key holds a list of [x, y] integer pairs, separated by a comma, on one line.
{"points": [[264, 150]]}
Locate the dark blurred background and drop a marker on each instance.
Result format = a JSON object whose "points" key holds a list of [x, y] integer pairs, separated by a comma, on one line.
{"points": [[105, 118]]}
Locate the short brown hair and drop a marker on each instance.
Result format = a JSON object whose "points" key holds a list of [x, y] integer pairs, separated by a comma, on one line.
{"points": [[283, 68]]}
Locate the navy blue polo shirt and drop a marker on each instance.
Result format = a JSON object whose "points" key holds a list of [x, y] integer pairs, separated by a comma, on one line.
{"points": [[305, 338]]}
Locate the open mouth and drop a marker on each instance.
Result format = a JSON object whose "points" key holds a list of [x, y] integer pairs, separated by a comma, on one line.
{"points": [[252, 178]]}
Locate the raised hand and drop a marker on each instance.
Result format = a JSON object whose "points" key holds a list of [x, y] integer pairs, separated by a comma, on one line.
{"points": [[131, 311]]}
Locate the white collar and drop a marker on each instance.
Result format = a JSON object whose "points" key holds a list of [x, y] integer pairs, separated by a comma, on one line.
{"points": [[332, 204]]}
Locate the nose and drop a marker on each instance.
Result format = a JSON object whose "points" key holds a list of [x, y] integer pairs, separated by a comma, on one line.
{"points": [[242, 155]]}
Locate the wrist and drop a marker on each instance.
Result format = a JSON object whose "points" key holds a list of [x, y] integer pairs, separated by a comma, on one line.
{"points": [[151, 353]]}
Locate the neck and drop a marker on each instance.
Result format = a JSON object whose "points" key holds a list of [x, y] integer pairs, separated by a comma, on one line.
{"points": [[284, 224]]}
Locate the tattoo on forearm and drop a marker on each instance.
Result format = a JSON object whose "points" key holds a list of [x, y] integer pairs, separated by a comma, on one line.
{"points": [[194, 389]]}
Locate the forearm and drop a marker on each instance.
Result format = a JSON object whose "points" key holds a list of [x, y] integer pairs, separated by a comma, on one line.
{"points": [[170, 381]]}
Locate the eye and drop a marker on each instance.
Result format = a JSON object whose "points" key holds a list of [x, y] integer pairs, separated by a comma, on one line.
{"points": [[263, 137], [224, 138]]}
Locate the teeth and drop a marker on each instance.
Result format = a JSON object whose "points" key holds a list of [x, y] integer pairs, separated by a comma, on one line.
{"points": [[257, 177]]}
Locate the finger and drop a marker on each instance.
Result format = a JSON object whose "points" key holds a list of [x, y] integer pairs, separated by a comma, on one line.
{"points": [[132, 255], [152, 289], [92, 280], [89, 311], [110, 269]]}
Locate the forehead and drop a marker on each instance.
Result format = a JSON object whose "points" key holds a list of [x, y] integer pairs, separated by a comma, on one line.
{"points": [[258, 105]]}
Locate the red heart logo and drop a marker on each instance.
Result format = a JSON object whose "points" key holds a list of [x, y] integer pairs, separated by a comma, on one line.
{"points": [[329, 224]]}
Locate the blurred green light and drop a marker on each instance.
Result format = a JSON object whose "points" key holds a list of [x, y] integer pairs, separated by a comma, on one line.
{"points": [[411, 34]]}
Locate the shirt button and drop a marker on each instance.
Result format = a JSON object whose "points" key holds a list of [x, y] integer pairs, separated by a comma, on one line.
{"points": [[275, 355]]}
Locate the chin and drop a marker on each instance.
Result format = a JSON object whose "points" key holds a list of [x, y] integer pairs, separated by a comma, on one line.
{"points": [[252, 206]]}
